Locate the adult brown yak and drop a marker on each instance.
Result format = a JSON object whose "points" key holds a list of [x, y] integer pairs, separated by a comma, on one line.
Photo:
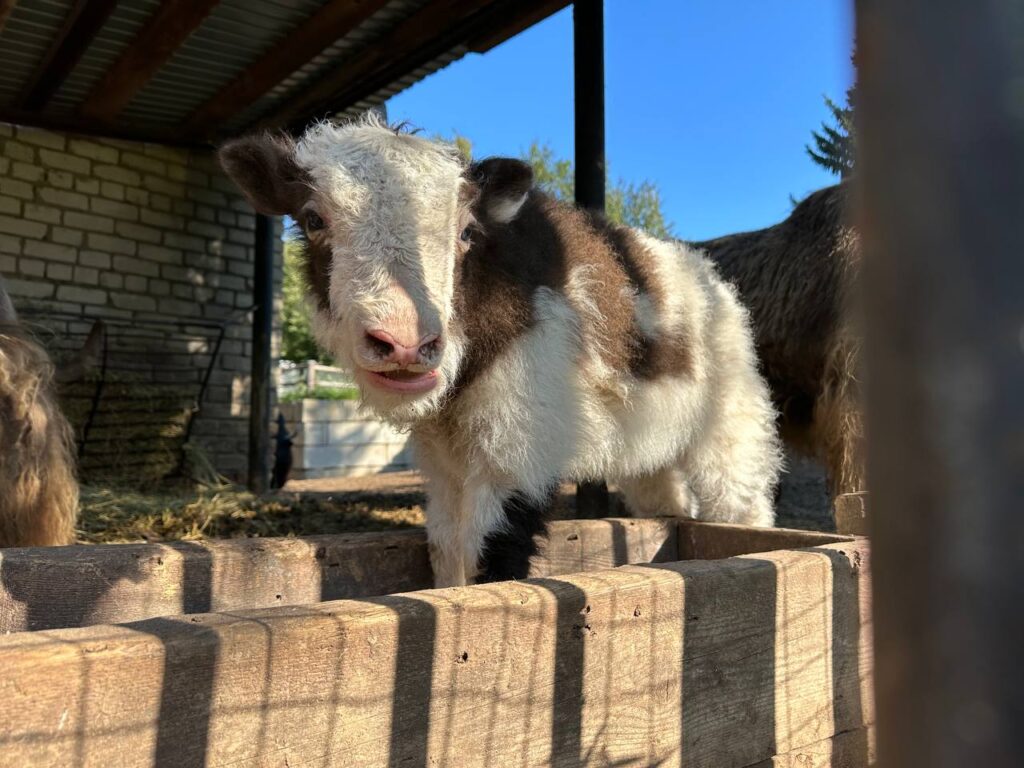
{"points": [[797, 279]]}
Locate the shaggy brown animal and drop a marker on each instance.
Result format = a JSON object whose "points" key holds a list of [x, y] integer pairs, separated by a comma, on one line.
{"points": [[38, 488], [796, 278]]}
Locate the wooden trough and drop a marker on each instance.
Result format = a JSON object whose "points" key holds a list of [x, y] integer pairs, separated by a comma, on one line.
{"points": [[293, 652]]}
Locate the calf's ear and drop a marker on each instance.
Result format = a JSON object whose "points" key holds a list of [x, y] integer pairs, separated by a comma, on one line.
{"points": [[263, 166], [504, 186]]}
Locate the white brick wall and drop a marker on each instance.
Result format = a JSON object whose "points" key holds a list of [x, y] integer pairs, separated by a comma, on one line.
{"points": [[119, 229], [334, 439]]}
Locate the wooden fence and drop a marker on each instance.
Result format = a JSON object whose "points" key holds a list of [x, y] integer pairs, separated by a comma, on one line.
{"points": [[751, 660]]}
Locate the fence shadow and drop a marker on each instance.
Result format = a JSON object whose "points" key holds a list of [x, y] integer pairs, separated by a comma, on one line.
{"points": [[414, 667], [848, 705], [54, 596], [191, 652]]}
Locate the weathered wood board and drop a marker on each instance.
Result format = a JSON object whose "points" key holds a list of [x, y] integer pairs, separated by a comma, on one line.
{"points": [[713, 541], [49, 588], [849, 748], [851, 511], [762, 659]]}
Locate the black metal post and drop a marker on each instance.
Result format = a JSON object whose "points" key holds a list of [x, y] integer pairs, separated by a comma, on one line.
{"points": [[588, 67], [941, 166], [588, 60], [262, 328]]}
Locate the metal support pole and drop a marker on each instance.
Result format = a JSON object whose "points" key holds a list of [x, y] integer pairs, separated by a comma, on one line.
{"points": [[588, 61], [941, 198], [588, 66], [262, 328]]}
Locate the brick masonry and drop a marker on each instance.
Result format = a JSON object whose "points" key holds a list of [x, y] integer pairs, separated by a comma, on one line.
{"points": [[123, 230], [334, 439]]}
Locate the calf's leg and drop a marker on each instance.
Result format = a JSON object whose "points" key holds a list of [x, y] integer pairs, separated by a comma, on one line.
{"points": [[662, 494], [507, 549]]}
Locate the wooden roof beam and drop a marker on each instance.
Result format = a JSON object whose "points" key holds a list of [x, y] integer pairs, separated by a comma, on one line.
{"points": [[494, 38], [332, 22], [154, 44], [434, 20], [443, 25], [83, 22], [6, 6]]}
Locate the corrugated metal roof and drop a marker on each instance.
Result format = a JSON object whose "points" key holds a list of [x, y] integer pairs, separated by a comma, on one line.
{"points": [[335, 56], [118, 31], [24, 42], [235, 34]]}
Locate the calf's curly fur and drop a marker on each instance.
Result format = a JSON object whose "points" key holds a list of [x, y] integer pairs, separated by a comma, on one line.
{"points": [[519, 340], [39, 502]]}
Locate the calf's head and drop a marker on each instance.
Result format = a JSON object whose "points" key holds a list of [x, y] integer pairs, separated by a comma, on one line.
{"points": [[388, 219]]}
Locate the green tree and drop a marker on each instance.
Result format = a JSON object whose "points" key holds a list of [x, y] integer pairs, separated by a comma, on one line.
{"points": [[628, 203], [834, 146], [296, 334]]}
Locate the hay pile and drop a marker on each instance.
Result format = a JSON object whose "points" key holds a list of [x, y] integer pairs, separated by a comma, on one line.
{"points": [[117, 515]]}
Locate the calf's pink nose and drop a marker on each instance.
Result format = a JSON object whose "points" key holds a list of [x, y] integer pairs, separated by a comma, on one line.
{"points": [[390, 350]]}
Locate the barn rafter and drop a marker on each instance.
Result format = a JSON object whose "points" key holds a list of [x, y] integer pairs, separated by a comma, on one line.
{"points": [[192, 72]]}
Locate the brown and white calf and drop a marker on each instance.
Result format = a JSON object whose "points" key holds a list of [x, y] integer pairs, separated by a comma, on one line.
{"points": [[520, 340]]}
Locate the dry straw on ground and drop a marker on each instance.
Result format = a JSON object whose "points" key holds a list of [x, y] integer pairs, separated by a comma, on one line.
{"points": [[112, 515]]}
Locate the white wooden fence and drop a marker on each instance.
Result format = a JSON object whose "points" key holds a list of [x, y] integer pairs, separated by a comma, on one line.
{"points": [[333, 439], [311, 375]]}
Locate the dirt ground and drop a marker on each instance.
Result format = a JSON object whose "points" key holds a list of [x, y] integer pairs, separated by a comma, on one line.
{"points": [[340, 505], [802, 500]]}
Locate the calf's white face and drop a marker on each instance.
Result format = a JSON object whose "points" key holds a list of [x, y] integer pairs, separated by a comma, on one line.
{"points": [[387, 217]]}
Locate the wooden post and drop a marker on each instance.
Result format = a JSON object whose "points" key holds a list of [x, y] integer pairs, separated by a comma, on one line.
{"points": [[262, 328], [310, 375], [941, 197], [588, 60]]}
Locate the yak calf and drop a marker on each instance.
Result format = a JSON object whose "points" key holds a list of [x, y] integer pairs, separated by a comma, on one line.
{"points": [[521, 341]]}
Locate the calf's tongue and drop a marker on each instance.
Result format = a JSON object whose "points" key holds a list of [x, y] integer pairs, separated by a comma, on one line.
{"points": [[403, 375]]}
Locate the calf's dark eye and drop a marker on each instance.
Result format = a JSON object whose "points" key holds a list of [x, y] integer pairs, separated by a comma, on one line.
{"points": [[466, 235], [314, 223]]}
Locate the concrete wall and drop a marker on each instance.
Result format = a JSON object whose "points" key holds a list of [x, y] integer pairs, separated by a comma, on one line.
{"points": [[334, 440], [118, 229]]}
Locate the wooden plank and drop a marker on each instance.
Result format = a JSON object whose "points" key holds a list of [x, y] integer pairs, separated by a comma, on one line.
{"points": [[123, 129], [47, 588], [164, 32], [434, 20], [717, 664], [495, 37], [712, 541], [574, 546], [850, 749], [333, 21], [83, 22], [851, 510]]}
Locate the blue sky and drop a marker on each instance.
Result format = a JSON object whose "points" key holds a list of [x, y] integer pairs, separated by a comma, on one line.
{"points": [[713, 100]]}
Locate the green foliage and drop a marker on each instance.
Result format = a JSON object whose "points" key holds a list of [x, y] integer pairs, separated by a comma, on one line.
{"points": [[835, 146], [553, 175], [465, 147], [302, 392], [627, 203], [296, 335]]}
